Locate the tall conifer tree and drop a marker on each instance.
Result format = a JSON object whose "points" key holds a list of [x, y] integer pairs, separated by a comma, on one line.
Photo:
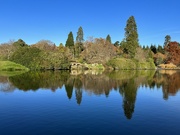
{"points": [[108, 38], [131, 36], [167, 40], [70, 40], [79, 41], [80, 35]]}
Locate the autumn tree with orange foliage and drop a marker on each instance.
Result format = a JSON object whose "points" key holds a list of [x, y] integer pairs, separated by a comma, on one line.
{"points": [[173, 53]]}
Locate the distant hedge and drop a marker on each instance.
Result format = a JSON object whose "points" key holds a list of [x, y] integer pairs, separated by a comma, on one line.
{"points": [[122, 63]]}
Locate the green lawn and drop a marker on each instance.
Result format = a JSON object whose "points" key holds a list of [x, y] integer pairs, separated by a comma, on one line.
{"points": [[11, 66]]}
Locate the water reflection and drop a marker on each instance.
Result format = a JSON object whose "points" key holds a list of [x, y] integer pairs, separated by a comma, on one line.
{"points": [[126, 82], [169, 80], [5, 85], [128, 91]]}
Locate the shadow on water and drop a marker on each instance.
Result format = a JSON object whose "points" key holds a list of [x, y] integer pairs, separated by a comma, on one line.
{"points": [[126, 82]]}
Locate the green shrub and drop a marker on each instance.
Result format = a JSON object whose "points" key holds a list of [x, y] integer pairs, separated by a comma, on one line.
{"points": [[122, 63]]}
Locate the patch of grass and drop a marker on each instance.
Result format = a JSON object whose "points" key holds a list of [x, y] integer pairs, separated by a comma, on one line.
{"points": [[11, 66], [11, 73], [94, 66]]}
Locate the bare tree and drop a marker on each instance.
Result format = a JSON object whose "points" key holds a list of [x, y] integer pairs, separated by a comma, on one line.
{"points": [[6, 50], [98, 51]]}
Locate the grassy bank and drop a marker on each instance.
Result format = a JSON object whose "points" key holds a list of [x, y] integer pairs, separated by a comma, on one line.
{"points": [[80, 66], [126, 64], [94, 66], [11, 73], [11, 66]]}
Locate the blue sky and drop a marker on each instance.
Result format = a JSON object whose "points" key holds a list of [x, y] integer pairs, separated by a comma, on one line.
{"points": [[34, 20]]}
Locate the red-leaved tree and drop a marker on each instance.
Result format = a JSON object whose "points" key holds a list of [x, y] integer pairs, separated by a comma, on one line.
{"points": [[173, 53]]}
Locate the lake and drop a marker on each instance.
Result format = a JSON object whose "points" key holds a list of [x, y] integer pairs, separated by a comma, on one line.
{"points": [[119, 102]]}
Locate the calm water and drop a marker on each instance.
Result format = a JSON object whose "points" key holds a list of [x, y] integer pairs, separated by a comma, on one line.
{"points": [[124, 102]]}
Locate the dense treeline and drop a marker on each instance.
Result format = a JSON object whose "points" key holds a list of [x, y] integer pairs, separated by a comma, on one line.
{"points": [[46, 55]]}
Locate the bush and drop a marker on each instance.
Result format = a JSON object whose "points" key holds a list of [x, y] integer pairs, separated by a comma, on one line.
{"points": [[26, 56]]}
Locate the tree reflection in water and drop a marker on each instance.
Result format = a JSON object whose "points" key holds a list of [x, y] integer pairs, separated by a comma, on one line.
{"points": [[69, 90], [126, 81], [128, 91]]}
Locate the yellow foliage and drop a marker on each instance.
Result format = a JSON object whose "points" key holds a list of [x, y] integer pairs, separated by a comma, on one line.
{"points": [[167, 66]]}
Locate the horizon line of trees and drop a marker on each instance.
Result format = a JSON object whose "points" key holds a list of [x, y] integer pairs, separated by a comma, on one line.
{"points": [[46, 55]]}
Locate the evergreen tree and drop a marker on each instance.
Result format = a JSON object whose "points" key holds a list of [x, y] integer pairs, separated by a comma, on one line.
{"points": [[80, 35], [143, 47], [61, 44], [131, 36], [160, 49], [20, 43], [167, 40], [116, 43], [79, 42], [70, 41], [108, 38], [153, 48]]}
